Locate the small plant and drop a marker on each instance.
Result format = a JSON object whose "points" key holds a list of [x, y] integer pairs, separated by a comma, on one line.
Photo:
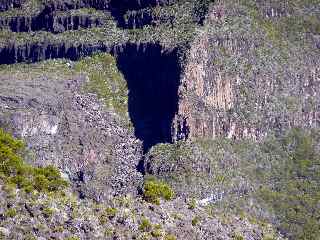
{"points": [[268, 238], [11, 213], [169, 237], [72, 238], [238, 237], [144, 236], [195, 221], [154, 190], [108, 232], [111, 212], [192, 204], [156, 231], [58, 229], [47, 212], [29, 237], [145, 225]]}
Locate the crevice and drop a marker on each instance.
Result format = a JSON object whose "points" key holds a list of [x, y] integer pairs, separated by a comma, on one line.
{"points": [[153, 78]]}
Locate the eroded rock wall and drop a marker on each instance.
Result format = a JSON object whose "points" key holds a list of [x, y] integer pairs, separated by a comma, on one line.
{"points": [[51, 23], [240, 84]]}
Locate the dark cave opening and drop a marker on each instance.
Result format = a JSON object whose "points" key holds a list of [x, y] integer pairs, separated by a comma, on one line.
{"points": [[153, 78]]}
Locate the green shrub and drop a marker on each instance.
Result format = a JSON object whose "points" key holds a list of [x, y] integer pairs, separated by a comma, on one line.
{"points": [[154, 189], [169, 237], [145, 225], [72, 238], [47, 212], [268, 238], [238, 237], [108, 213], [29, 236], [10, 213], [192, 203], [15, 171], [111, 212], [109, 232], [156, 231], [195, 221]]}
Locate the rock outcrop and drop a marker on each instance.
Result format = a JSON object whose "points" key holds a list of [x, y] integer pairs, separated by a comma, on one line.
{"points": [[67, 128]]}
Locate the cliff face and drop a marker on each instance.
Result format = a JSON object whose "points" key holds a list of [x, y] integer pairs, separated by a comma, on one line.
{"points": [[8, 4], [53, 23], [241, 84]]}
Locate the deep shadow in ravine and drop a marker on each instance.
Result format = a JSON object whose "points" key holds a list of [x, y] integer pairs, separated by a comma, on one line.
{"points": [[153, 78]]}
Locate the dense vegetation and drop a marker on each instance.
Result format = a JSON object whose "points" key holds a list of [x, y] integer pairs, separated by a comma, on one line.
{"points": [[280, 177], [293, 185]]}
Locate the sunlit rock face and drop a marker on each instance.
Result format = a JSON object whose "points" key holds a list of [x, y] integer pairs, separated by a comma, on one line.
{"points": [[244, 84], [72, 130]]}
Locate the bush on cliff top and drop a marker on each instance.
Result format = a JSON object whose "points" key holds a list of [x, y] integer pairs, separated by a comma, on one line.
{"points": [[13, 170], [154, 190]]}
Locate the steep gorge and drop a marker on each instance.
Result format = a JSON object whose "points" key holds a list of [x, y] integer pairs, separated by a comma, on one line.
{"points": [[152, 74], [153, 77], [232, 83]]}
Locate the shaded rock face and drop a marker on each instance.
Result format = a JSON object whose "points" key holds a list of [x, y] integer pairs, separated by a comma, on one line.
{"points": [[53, 5], [46, 18], [152, 73], [38, 51], [71, 130], [136, 19], [8, 4], [124, 5], [153, 77], [51, 23]]}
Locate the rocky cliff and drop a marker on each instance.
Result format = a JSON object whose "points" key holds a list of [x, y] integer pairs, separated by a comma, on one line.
{"points": [[248, 72], [204, 95]]}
